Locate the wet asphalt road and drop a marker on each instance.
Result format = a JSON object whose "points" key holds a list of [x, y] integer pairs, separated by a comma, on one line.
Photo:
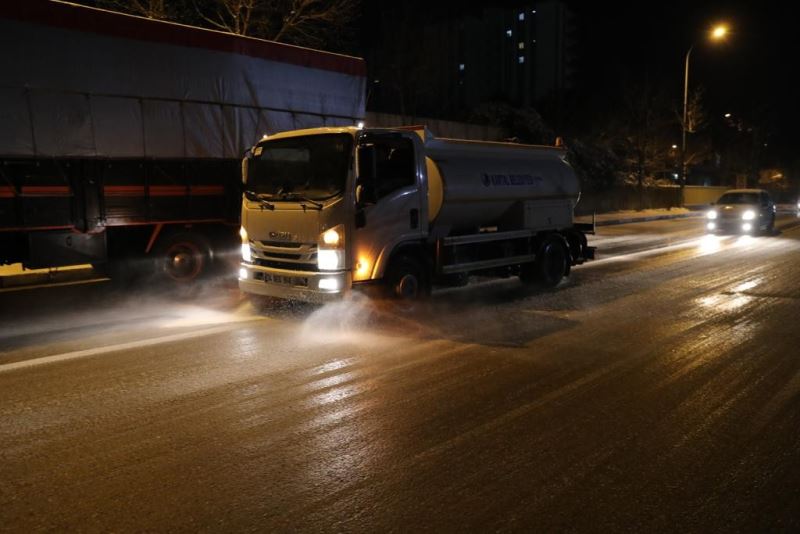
{"points": [[658, 389]]}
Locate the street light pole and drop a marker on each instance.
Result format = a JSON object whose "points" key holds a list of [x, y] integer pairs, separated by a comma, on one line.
{"points": [[717, 33], [685, 116]]}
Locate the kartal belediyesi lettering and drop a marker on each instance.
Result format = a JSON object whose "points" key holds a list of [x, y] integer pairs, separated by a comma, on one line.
{"points": [[510, 179]]}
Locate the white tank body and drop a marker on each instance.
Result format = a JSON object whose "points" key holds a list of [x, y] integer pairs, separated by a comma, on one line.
{"points": [[479, 184]]}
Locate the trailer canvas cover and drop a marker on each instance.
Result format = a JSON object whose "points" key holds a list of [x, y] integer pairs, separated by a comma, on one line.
{"points": [[83, 82]]}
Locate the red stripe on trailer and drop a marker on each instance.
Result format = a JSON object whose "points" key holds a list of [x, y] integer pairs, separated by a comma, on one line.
{"points": [[168, 190], [45, 191], [123, 190], [207, 190], [7, 192]]}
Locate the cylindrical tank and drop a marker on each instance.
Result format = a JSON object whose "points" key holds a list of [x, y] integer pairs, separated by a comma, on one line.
{"points": [[475, 184]]}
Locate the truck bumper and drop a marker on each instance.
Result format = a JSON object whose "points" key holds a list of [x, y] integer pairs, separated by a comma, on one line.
{"points": [[294, 285]]}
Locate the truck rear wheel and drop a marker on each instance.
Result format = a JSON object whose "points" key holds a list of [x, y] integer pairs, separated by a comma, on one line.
{"points": [[550, 266], [552, 261], [184, 257], [406, 279]]}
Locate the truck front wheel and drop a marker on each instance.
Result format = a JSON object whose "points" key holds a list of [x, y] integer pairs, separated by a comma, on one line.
{"points": [[406, 279]]}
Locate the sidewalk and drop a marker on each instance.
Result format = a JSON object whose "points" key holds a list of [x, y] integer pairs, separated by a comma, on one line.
{"points": [[632, 216]]}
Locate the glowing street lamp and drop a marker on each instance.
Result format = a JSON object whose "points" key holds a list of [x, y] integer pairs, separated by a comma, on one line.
{"points": [[717, 33]]}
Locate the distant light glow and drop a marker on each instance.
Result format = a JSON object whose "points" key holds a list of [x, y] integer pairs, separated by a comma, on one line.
{"points": [[360, 125], [727, 115], [509, 33], [461, 66], [521, 16], [521, 59]]}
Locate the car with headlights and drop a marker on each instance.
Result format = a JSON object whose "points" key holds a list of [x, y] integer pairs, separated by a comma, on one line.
{"points": [[744, 211]]}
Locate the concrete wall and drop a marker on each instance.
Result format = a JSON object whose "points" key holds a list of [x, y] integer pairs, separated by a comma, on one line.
{"points": [[699, 195]]}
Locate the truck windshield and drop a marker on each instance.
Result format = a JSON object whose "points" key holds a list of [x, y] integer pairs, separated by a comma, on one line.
{"points": [[309, 167]]}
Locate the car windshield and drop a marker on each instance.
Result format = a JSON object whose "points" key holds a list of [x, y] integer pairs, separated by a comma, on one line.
{"points": [[295, 168], [739, 198]]}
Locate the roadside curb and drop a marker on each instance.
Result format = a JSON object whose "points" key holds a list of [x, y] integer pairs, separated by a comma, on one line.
{"points": [[627, 220]]}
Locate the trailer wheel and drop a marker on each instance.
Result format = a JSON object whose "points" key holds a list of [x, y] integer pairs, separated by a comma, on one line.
{"points": [[184, 257], [406, 279]]}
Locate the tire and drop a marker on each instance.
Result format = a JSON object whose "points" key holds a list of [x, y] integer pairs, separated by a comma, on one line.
{"points": [[183, 258], [406, 280], [550, 266], [770, 228]]}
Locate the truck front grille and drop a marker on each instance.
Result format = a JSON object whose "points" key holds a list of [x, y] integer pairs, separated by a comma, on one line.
{"points": [[288, 256]]}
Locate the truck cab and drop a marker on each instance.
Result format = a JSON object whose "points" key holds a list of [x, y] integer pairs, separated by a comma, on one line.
{"points": [[322, 208]]}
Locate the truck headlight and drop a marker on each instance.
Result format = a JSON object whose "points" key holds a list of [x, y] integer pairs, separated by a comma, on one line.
{"points": [[247, 254], [330, 249], [711, 214], [749, 215]]}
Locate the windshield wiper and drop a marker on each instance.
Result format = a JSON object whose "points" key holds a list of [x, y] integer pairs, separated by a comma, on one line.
{"points": [[255, 197], [297, 196]]}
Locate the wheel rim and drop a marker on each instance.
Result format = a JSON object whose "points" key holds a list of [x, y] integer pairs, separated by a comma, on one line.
{"points": [[183, 261], [407, 287]]}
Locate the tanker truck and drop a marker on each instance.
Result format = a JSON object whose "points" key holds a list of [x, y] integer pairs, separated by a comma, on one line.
{"points": [[329, 210]]}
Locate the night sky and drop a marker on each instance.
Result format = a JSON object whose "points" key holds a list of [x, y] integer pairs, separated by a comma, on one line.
{"points": [[750, 75]]}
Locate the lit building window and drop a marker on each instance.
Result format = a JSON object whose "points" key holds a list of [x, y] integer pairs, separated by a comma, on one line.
{"points": [[461, 66], [521, 16], [521, 45], [509, 33], [521, 59]]}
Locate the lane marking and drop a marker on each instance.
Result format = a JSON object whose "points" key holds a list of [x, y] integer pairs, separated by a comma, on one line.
{"points": [[54, 284], [123, 346]]}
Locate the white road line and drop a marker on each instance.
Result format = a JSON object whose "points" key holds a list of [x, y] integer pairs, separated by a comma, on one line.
{"points": [[121, 346]]}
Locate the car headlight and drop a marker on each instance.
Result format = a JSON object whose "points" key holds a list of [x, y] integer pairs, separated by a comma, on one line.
{"points": [[749, 215], [330, 249], [712, 214]]}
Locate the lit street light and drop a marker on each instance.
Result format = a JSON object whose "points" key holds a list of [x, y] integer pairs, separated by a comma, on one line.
{"points": [[718, 33]]}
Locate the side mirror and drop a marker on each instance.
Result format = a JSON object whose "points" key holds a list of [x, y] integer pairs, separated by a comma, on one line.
{"points": [[246, 164]]}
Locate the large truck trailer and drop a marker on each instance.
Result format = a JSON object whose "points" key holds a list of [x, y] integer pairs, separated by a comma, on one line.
{"points": [[122, 137], [327, 210]]}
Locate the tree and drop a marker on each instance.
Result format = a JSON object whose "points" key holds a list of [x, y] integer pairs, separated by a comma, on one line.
{"points": [[313, 23], [697, 148], [642, 132]]}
